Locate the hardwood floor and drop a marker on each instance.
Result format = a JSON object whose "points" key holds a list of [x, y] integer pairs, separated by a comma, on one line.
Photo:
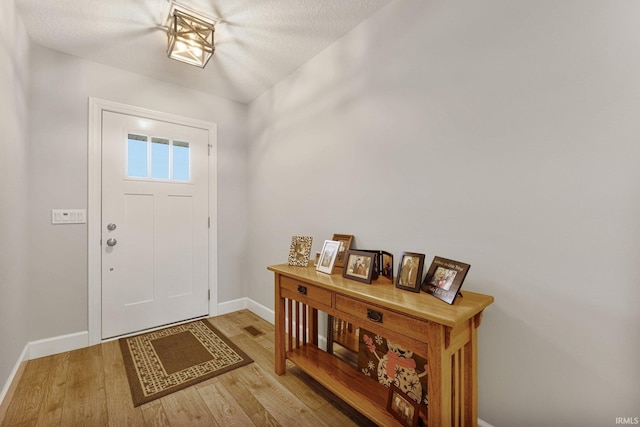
{"points": [[89, 387]]}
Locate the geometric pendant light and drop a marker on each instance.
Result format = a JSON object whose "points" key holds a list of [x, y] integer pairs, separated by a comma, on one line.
{"points": [[190, 38]]}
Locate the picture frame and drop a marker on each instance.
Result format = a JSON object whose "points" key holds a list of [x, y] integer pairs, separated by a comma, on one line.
{"points": [[359, 265], [402, 407], [383, 267], [444, 278], [328, 256], [345, 244], [410, 271], [300, 250], [386, 265]]}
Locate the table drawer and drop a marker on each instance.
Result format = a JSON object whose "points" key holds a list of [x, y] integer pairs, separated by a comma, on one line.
{"points": [[391, 320], [301, 291]]}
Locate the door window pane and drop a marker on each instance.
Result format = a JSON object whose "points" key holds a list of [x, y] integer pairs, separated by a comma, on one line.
{"points": [[180, 161], [159, 158], [137, 165]]}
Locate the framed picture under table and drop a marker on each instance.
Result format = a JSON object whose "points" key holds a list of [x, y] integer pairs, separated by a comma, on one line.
{"points": [[402, 407]]}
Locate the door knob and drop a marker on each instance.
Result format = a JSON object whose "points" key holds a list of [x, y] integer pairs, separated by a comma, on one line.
{"points": [[111, 242], [111, 227]]}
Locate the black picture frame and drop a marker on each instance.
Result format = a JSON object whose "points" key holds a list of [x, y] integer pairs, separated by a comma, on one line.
{"points": [[359, 265], [385, 260], [444, 278], [402, 407], [384, 265], [410, 271]]}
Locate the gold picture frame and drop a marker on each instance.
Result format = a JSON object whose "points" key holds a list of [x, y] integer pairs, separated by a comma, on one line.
{"points": [[345, 244]]}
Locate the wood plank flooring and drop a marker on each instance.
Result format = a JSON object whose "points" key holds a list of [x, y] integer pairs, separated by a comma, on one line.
{"points": [[89, 387]]}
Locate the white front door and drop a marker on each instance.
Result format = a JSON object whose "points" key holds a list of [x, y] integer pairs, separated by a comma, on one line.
{"points": [[154, 223]]}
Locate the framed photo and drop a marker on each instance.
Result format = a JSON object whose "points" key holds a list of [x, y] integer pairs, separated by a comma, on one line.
{"points": [[345, 244], [328, 256], [410, 271], [383, 267], [444, 278], [386, 265], [359, 265], [402, 407], [300, 250]]}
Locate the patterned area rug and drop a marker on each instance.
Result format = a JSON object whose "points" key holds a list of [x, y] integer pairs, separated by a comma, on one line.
{"points": [[162, 362]]}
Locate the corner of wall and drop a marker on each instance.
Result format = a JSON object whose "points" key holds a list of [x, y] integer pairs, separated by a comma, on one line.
{"points": [[12, 382], [248, 304]]}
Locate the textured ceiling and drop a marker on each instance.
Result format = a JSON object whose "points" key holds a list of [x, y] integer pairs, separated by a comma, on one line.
{"points": [[258, 42]]}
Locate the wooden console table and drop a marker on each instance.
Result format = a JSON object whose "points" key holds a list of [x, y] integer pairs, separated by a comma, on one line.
{"points": [[445, 334]]}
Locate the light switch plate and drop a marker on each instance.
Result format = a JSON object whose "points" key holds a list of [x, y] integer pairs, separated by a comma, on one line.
{"points": [[68, 216]]}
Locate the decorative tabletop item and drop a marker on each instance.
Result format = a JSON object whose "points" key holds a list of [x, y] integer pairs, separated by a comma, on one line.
{"points": [[300, 250], [359, 266], [328, 256], [345, 244], [444, 278], [410, 271], [383, 267], [386, 265]]}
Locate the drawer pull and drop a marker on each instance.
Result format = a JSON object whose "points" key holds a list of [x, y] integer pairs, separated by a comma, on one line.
{"points": [[302, 290], [374, 316]]}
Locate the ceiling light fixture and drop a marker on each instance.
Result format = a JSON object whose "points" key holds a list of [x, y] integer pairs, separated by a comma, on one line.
{"points": [[190, 37]]}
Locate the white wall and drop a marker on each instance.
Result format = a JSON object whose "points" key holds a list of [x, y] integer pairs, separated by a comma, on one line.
{"points": [[14, 82], [61, 86], [503, 134]]}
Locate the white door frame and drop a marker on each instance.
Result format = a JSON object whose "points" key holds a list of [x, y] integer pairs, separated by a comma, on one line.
{"points": [[94, 205]]}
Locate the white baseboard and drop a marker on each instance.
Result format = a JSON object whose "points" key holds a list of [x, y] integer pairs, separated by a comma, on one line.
{"points": [[483, 423], [46, 347], [262, 311], [248, 304], [231, 306], [9, 384], [55, 345]]}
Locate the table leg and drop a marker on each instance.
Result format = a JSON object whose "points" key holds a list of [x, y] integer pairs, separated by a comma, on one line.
{"points": [[280, 356]]}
